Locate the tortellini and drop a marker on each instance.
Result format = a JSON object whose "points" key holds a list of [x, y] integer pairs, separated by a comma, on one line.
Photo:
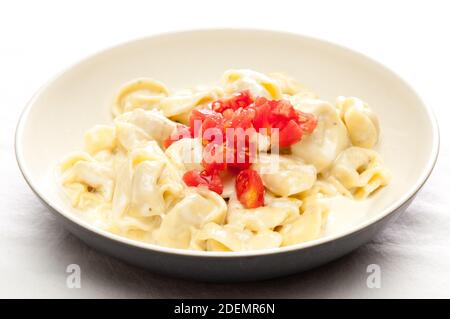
{"points": [[158, 173], [129, 180], [274, 213], [198, 208], [290, 87], [88, 182], [149, 94], [214, 237], [147, 186], [100, 138], [328, 139], [139, 126], [143, 93], [259, 84], [291, 176], [186, 154], [360, 170], [324, 188], [179, 106], [147, 197], [282, 222], [308, 225], [362, 124]]}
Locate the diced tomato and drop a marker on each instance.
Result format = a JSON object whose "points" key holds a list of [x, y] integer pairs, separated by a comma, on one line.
{"points": [[250, 189], [202, 119], [205, 121], [240, 99], [240, 118], [216, 184], [181, 131], [241, 158], [262, 114], [228, 115], [241, 146], [289, 134], [214, 159], [307, 121], [282, 110], [291, 124], [196, 178], [235, 152]]}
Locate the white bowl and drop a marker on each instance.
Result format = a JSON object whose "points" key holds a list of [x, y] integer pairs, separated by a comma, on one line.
{"points": [[54, 121]]}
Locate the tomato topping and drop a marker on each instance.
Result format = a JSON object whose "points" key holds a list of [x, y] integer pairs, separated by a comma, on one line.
{"points": [[282, 111], [307, 121], [240, 118], [262, 114], [289, 134], [241, 149], [181, 131], [235, 152], [202, 178], [214, 159], [238, 143], [240, 157], [291, 124], [207, 123], [240, 99], [250, 189]]}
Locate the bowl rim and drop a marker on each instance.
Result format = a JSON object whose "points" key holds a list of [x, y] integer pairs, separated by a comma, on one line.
{"points": [[426, 170]]}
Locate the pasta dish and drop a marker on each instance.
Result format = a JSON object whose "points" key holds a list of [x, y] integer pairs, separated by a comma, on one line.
{"points": [[249, 164]]}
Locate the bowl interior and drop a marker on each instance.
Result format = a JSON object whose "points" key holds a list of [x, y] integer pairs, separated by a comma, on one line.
{"points": [[54, 123]]}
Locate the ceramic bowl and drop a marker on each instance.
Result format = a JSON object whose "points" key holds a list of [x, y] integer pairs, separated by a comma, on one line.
{"points": [[53, 123]]}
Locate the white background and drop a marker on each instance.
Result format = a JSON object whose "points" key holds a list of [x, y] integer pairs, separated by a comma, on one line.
{"points": [[40, 38]]}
